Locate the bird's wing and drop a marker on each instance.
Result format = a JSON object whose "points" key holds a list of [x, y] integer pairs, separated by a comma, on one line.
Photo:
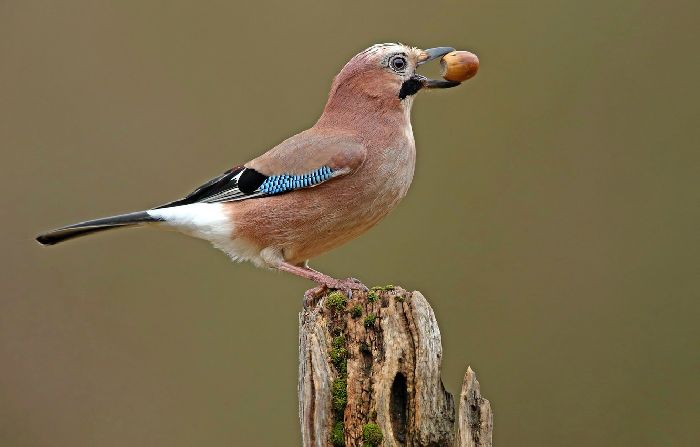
{"points": [[303, 161]]}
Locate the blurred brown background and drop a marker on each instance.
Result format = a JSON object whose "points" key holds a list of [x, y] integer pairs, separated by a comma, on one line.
{"points": [[553, 221]]}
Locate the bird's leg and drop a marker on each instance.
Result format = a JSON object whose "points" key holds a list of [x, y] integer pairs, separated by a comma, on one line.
{"points": [[312, 294], [323, 280], [310, 274], [274, 258], [353, 283]]}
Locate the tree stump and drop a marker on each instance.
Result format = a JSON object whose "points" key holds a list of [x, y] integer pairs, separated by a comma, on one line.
{"points": [[369, 375]]}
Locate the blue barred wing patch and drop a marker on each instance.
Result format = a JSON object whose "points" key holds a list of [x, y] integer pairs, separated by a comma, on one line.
{"points": [[242, 183], [278, 184]]}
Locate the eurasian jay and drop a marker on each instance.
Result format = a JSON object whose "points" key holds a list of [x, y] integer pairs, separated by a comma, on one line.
{"points": [[315, 190]]}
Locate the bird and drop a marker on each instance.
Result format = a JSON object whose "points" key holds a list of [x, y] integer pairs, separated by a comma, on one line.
{"points": [[315, 190]]}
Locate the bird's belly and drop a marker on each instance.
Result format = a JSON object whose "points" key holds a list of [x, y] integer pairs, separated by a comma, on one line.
{"points": [[306, 223]]}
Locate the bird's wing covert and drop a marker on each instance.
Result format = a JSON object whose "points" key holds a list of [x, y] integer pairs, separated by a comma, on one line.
{"points": [[296, 163]]}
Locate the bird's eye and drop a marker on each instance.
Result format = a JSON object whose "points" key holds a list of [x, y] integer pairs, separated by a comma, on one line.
{"points": [[398, 63]]}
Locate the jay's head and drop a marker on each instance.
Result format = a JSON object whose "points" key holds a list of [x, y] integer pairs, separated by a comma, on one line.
{"points": [[385, 74]]}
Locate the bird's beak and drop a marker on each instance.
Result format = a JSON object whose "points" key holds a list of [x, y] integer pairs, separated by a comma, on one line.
{"points": [[433, 83], [433, 53], [429, 55]]}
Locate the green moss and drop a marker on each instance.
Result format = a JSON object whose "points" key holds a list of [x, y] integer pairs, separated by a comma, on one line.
{"points": [[372, 296], [336, 301], [339, 388], [338, 342], [339, 393], [372, 435], [339, 354], [370, 319], [338, 435], [400, 298], [356, 311], [385, 288]]}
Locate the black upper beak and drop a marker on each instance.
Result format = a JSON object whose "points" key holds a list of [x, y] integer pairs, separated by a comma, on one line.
{"points": [[434, 53]]}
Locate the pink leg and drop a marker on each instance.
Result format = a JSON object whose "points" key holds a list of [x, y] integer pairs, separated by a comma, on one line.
{"points": [[353, 282], [325, 281], [309, 274]]}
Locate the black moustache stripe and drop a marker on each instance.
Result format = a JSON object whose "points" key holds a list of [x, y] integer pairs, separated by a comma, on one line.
{"points": [[410, 87]]}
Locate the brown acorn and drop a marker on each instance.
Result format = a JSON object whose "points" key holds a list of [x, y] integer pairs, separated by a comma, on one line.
{"points": [[458, 66]]}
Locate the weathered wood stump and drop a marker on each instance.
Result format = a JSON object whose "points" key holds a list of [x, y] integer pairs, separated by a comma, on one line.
{"points": [[369, 375]]}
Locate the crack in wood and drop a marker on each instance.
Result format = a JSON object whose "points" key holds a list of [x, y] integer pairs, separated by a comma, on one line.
{"points": [[398, 407]]}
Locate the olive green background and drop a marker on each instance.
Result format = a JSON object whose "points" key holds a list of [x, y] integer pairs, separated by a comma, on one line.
{"points": [[553, 221]]}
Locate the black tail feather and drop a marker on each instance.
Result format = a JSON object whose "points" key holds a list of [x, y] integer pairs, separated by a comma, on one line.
{"points": [[93, 226]]}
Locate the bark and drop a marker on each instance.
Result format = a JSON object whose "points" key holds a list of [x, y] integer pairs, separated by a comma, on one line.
{"points": [[369, 374], [475, 425]]}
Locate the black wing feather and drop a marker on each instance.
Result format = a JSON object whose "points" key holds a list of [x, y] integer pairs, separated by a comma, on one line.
{"points": [[235, 184]]}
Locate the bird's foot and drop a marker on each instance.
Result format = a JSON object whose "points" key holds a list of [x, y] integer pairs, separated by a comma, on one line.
{"points": [[347, 286], [315, 293], [352, 284], [344, 285]]}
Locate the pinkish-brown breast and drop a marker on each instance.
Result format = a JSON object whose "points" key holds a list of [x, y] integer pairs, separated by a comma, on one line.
{"points": [[308, 222]]}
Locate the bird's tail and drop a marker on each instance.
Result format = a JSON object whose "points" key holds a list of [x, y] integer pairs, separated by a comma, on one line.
{"points": [[93, 226]]}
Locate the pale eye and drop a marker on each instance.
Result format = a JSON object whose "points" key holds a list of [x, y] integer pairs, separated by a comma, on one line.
{"points": [[398, 63]]}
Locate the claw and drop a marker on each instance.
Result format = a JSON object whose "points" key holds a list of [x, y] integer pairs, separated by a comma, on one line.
{"points": [[312, 295], [316, 292], [348, 285], [355, 284]]}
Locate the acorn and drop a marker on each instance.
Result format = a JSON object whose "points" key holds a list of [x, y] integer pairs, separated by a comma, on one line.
{"points": [[458, 66]]}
